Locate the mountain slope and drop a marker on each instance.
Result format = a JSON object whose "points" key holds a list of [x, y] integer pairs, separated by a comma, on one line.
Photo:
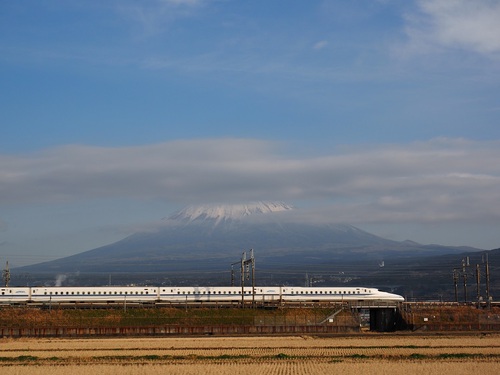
{"points": [[213, 237]]}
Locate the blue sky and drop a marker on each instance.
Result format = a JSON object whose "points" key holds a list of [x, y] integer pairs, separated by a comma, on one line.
{"points": [[380, 113]]}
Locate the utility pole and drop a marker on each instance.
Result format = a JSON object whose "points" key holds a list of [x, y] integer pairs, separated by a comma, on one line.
{"points": [[6, 274], [246, 273], [455, 281], [487, 274], [243, 260], [478, 291], [252, 258], [465, 263]]}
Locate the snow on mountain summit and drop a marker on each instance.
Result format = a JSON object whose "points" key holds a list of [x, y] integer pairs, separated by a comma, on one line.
{"points": [[227, 212]]}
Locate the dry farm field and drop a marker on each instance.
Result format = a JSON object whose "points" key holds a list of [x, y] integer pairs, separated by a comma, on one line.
{"points": [[356, 354]]}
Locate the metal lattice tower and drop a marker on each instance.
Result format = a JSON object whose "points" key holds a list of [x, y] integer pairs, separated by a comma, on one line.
{"points": [[6, 274]]}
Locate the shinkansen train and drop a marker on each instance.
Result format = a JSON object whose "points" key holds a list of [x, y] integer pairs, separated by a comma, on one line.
{"points": [[173, 295]]}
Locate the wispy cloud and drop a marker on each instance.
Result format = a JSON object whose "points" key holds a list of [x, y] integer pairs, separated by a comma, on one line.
{"points": [[155, 16], [320, 45], [441, 179], [460, 24]]}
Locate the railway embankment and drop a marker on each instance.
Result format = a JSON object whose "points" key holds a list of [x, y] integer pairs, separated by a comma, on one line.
{"points": [[448, 317], [30, 322], [342, 319]]}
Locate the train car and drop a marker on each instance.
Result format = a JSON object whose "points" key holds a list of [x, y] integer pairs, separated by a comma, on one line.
{"points": [[78, 294], [16, 295], [347, 294], [204, 294]]}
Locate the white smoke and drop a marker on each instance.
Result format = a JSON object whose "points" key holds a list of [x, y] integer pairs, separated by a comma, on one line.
{"points": [[60, 279]]}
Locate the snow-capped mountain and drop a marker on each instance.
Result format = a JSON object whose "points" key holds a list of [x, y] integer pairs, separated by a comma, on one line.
{"points": [[221, 213], [213, 236]]}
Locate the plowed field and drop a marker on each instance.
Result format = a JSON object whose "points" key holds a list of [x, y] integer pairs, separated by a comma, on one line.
{"points": [[359, 354]]}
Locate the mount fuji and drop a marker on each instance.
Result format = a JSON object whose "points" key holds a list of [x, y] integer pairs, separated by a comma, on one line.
{"points": [[211, 237]]}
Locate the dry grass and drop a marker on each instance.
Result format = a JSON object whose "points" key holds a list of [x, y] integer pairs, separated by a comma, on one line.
{"points": [[367, 354], [289, 368]]}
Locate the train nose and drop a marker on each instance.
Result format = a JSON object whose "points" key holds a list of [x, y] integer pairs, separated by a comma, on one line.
{"points": [[397, 297]]}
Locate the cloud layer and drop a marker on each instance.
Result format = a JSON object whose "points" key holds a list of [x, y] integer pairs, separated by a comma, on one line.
{"points": [[439, 180]]}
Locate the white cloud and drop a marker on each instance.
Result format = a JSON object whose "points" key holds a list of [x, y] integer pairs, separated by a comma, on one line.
{"points": [[429, 181], [463, 24], [154, 16], [320, 45]]}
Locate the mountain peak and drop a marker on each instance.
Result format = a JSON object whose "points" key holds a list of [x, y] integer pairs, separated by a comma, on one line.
{"points": [[229, 211]]}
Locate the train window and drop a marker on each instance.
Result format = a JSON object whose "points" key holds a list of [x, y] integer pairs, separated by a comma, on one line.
{"points": [[72, 292], [219, 291], [147, 292], [178, 292]]}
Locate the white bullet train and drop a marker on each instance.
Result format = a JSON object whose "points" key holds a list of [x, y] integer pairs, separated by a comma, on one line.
{"points": [[202, 294]]}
